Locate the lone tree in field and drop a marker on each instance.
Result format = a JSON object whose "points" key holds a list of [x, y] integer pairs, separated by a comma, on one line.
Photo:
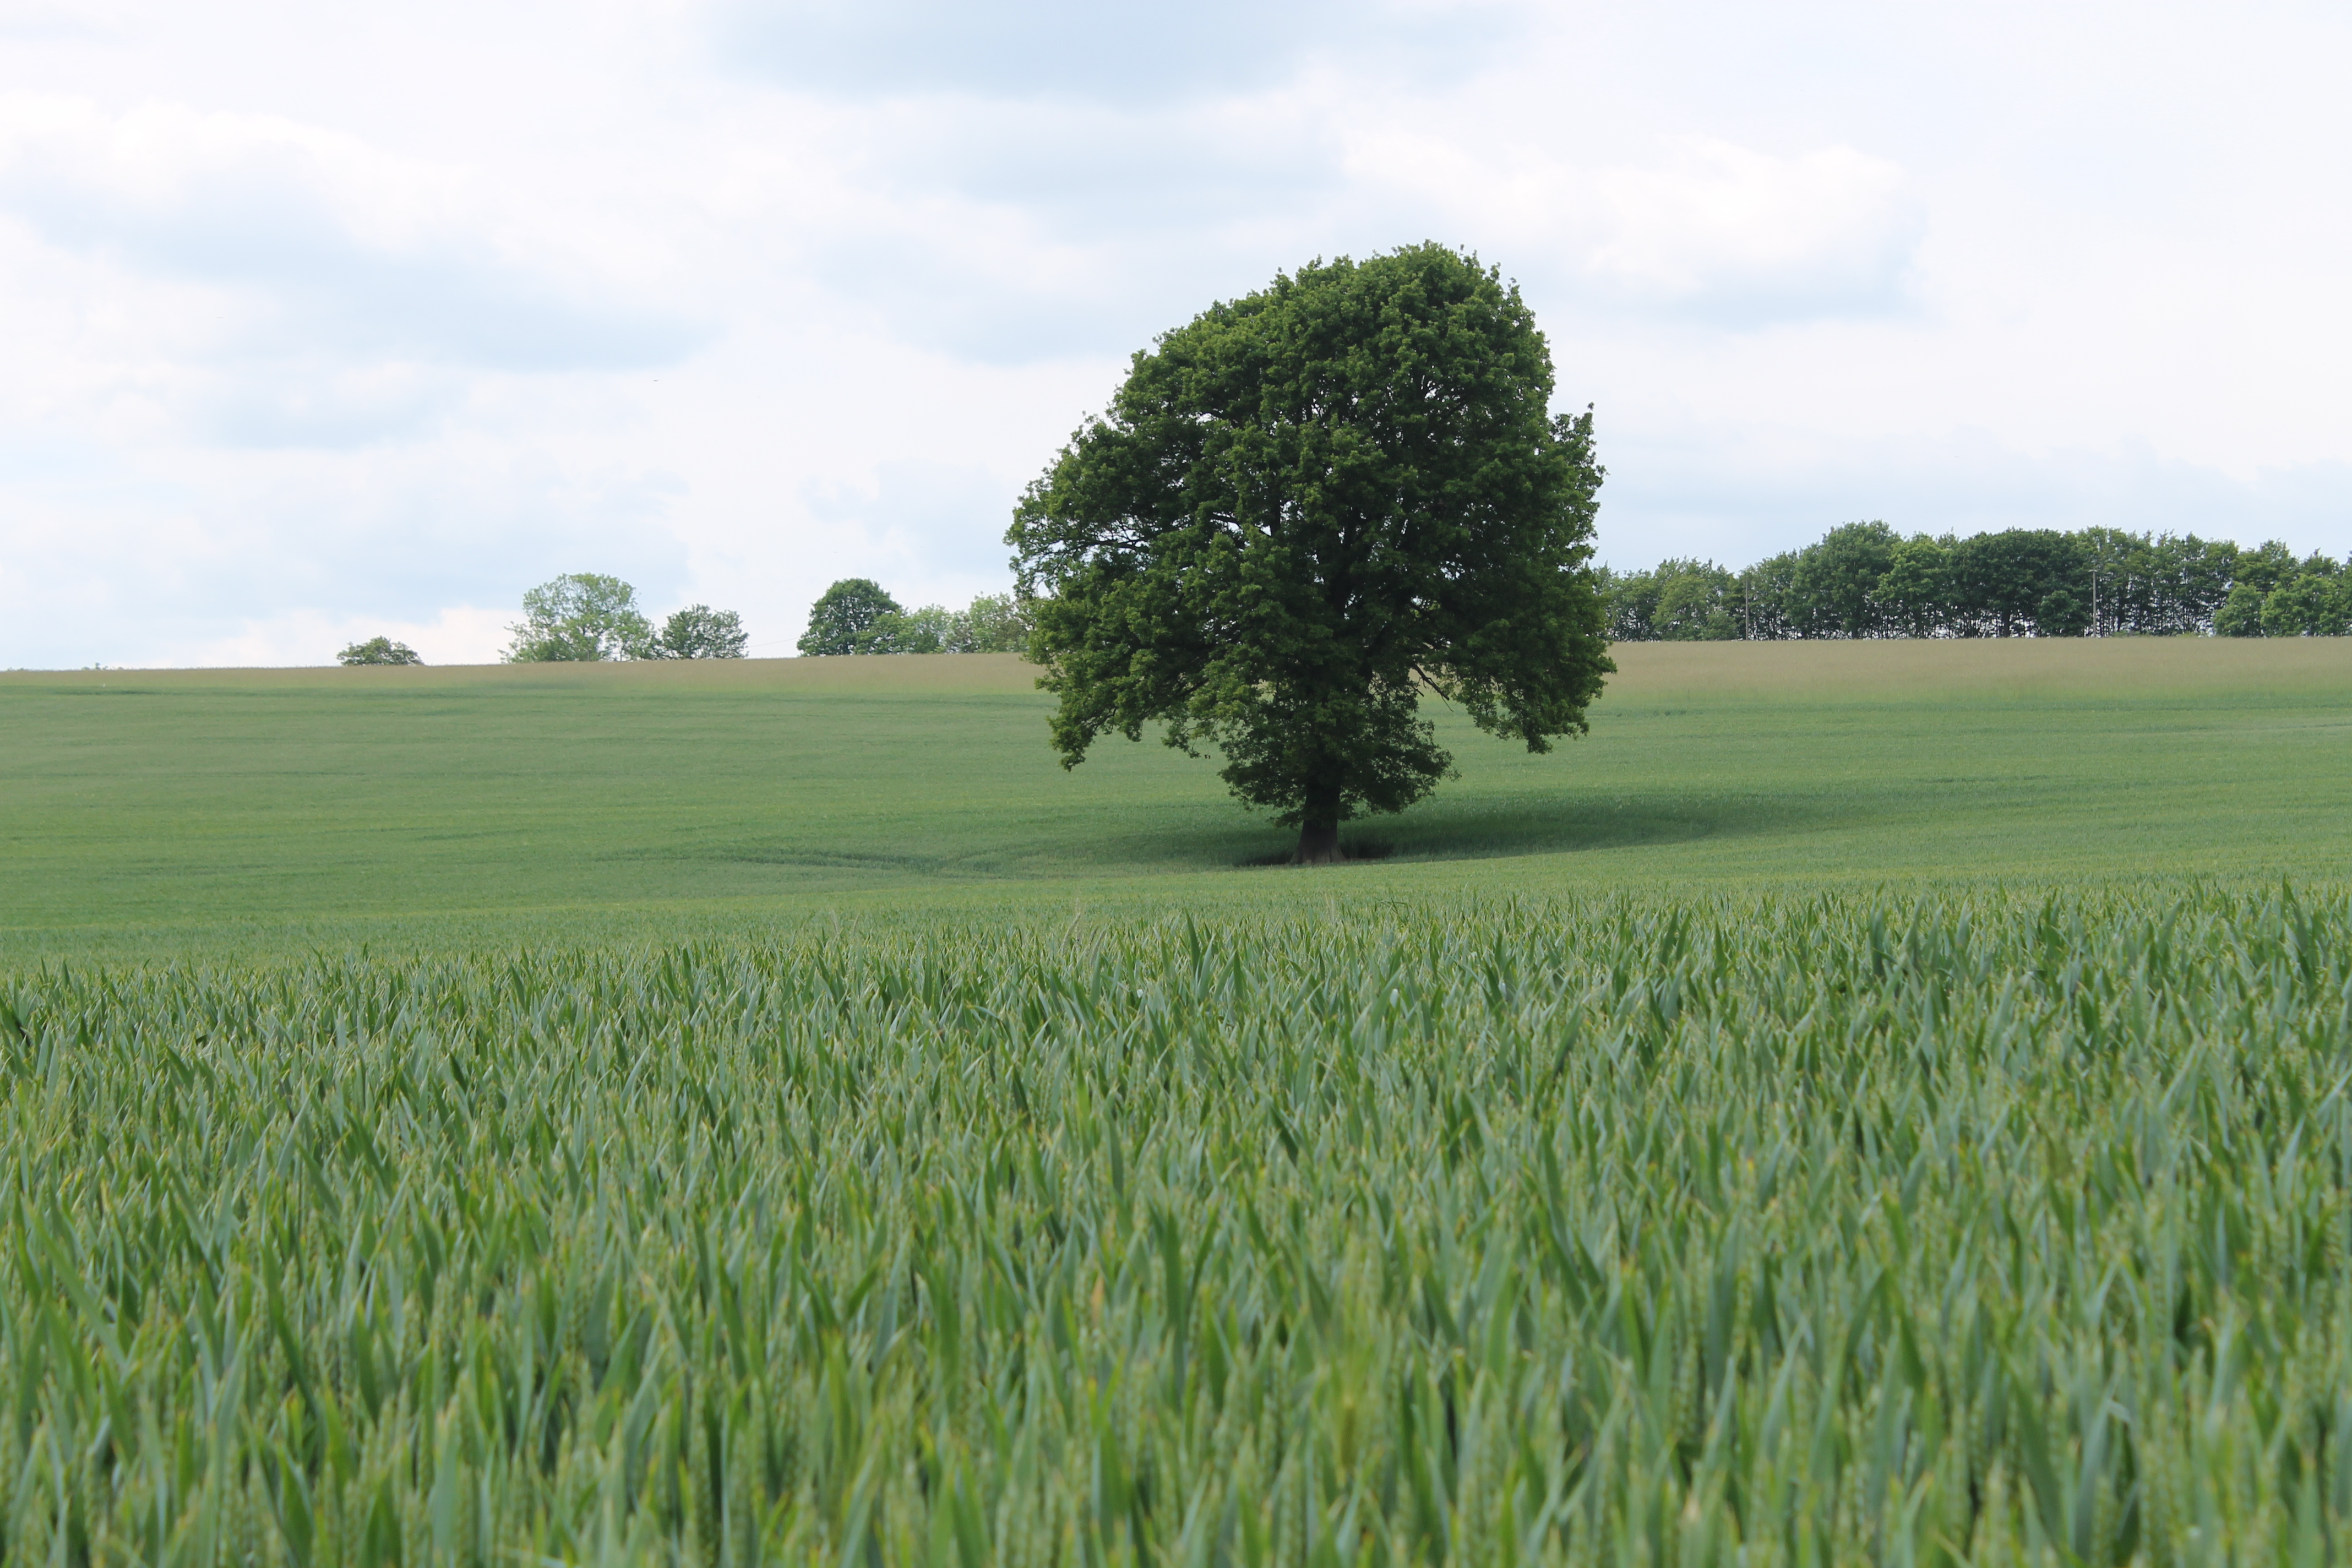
{"points": [[1303, 510], [580, 617], [841, 621], [378, 650], [698, 631]]}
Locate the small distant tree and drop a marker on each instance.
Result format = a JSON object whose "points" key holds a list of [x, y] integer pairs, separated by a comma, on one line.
{"points": [[1833, 593], [1682, 600], [2201, 583], [1764, 597], [847, 612], [1997, 583], [1911, 594], [997, 623], [580, 618], [2317, 603], [1697, 602], [2241, 614], [2063, 613], [993, 623], [2264, 568], [925, 630], [698, 631], [1629, 602], [378, 650]]}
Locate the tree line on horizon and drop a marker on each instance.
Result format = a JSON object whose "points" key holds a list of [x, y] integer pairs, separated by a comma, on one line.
{"points": [[858, 615], [1859, 580], [1864, 580]]}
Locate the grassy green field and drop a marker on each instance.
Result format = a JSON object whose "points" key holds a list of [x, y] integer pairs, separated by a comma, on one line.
{"points": [[1642, 1229], [1880, 1104], [282, 808]]}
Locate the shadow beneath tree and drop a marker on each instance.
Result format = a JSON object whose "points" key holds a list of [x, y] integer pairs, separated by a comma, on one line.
{"points": [[1493, 828]]}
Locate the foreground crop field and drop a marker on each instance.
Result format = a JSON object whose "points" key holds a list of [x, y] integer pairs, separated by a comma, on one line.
{"points": [[151, 813], [1640, 1228]]}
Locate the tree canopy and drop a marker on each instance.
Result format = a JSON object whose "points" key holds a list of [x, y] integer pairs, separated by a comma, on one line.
{"points": [[2316, 602], [587, 617], [378, 650], [1308, 508], [993, 623], [856, 617], [1862, 579], [846, 612], [698, 631], [580, 617]]}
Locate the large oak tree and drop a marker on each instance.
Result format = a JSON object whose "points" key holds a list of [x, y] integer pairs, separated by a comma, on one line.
{"points": [[1306, 510]]}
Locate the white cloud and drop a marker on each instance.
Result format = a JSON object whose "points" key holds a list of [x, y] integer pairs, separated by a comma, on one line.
{"points": [[1115, 51], [935, 523], [1739, 233], [1712, 231], [323, 404], [462, 633], [321, 245], [55, 20]]}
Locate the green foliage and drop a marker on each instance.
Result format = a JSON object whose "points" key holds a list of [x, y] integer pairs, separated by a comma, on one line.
{"points": [[2315, 603], [584, 617], [1846, 1229], [1304, 509], [924, 630], [2061, 615], [698, 631], [996, 623], [844, 615], [1996, 584], [2269, 566], [933, 628], [580, 618], [378, 650], [1681, 600], [859, 623], [1765, 592], [2241, 614], [1912, 595], [1859, 580], [1834, 588]]}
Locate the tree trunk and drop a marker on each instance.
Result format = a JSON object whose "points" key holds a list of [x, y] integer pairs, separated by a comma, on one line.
{"points": [[1319, 843], [1318, 832]]}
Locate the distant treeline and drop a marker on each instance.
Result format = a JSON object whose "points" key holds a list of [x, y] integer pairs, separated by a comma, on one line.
{"points": [[1863, 580], [855, 616]]}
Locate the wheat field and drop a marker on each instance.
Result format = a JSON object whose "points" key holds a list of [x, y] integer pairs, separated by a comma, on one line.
{"points": [[1803, 1229]]}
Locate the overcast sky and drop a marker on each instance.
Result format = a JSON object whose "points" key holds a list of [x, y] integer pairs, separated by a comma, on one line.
{"points": [[326, 321]]}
